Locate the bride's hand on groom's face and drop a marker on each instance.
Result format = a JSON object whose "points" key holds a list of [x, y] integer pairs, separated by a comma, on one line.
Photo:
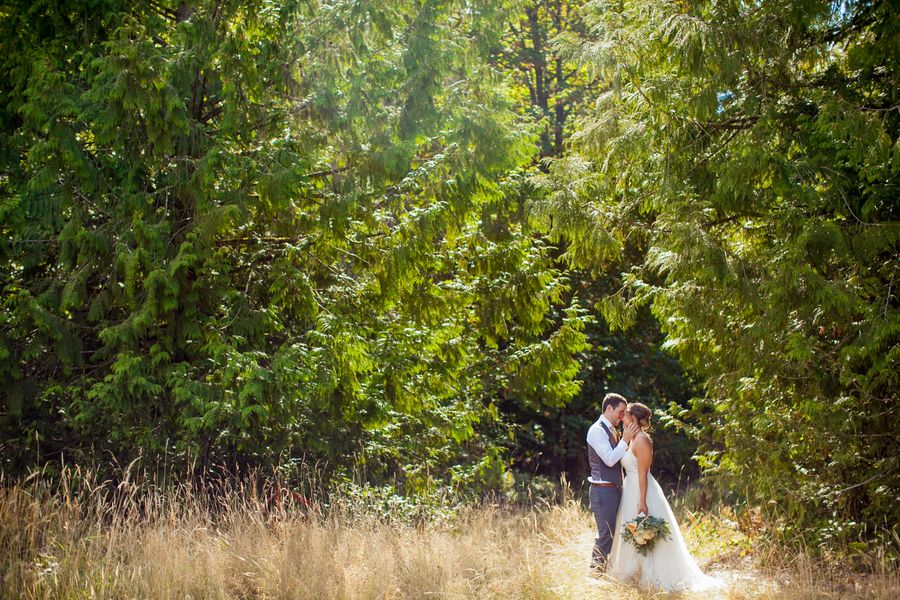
{"points": [[629, 431]]}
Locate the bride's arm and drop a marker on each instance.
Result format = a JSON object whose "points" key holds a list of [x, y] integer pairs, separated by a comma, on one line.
{"points": [[643, 450]]}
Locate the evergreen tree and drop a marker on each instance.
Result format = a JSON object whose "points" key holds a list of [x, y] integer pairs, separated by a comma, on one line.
{"points": [[754, 147], [553, 90], [246, 232]]}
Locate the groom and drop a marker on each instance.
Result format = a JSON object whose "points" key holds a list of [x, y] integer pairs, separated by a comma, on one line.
{"points": [[605, 451]]}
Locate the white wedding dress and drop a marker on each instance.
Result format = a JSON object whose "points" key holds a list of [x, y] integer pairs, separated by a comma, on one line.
{"points": [[669, 566]]}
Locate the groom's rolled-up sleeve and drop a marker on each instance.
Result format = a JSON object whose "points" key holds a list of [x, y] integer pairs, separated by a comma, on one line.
{"points": [[599, 441]]}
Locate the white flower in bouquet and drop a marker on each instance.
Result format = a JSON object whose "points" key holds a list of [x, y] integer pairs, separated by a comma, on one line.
{"points": [[645, 531]]}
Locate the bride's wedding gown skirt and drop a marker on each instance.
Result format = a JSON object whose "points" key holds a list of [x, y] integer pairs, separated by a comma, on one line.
{"points": [[669, 566]]}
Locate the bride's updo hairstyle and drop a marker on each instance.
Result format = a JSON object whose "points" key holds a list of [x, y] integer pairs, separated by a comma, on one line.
{"points": [[641, 414]]}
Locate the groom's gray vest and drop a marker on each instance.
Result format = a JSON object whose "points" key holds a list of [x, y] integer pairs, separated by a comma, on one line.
{"points": [[599, 469]]}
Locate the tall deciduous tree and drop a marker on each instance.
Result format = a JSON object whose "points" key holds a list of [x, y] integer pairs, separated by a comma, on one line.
{"points": [[551, 87]]}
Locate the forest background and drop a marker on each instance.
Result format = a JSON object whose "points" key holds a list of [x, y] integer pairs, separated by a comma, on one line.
{"points": [[409, 245]]}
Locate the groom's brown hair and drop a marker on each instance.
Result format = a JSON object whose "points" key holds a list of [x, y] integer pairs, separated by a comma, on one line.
{"points": [[613, 400]]}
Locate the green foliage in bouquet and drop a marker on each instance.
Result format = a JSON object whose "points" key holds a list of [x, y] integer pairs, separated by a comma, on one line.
{"points": [[644, 532]]}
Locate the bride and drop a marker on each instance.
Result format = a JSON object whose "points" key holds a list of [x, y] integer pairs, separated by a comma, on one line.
{"points": [[669, 566]]}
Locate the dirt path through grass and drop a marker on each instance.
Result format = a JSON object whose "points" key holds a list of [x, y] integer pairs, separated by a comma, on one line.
{"points": [[723, 552], [570, 579]]}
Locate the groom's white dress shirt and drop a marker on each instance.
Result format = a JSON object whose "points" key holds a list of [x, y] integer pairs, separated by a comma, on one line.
{"points": [[599, 441]]}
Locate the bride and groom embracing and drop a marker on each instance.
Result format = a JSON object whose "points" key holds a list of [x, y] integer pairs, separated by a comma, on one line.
{"points": [[616, 501]]}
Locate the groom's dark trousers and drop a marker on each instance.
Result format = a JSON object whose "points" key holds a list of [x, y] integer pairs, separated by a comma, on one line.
{"points": [[605, 506]]}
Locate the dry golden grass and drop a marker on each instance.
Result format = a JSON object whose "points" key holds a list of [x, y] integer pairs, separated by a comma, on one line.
{"points": [[182, 544]]}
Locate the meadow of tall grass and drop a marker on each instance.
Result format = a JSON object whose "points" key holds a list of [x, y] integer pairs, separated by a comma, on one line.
{"points": [[79, 538]]}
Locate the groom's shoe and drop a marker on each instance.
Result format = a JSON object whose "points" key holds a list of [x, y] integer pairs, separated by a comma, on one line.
{"points": [[597, 570]]}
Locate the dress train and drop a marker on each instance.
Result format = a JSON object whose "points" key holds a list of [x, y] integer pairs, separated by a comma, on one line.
{"points": [[669, 566]]}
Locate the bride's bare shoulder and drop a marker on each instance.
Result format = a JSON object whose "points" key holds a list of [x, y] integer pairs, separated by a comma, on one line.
{"points": [[642, 444], [643, 439]]}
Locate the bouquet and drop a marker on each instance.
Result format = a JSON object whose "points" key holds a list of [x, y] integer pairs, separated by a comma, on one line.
{"points": [[644, 531]]}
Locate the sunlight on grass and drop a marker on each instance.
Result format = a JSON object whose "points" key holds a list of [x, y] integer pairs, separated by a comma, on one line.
{"points": [[96, 544]]}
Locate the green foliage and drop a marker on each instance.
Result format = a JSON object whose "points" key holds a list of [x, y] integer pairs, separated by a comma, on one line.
{"points": [[753, 150], [554, 90], [254, 232], [551, 89], [237, 232]]}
